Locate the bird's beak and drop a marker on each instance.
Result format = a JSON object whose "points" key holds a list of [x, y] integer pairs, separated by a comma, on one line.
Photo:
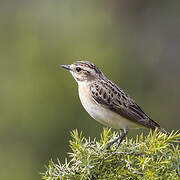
{"points": [[66, 67]]}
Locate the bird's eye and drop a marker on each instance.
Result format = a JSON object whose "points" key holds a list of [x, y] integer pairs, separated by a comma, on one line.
{"points": [[78, 69]]}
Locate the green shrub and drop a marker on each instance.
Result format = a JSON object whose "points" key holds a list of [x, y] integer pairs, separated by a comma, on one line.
{"points": [[155, 156]]}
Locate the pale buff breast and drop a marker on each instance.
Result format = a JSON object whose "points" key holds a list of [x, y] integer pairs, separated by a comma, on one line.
{"points": [[101, 114]]}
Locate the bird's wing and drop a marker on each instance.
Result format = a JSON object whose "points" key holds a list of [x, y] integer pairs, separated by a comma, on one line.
{"points": [[114, 98]]}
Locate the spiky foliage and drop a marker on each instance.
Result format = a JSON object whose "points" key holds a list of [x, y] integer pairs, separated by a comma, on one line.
{"points": [[155, 156]]}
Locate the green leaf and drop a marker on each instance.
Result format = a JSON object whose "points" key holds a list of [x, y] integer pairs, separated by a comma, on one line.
{"points": [[155, 156]]}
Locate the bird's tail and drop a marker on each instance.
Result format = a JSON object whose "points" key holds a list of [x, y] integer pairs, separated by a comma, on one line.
{"points": [[163, 131], [155, 125]]}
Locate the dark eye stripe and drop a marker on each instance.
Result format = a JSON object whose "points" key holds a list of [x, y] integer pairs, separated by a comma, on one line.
{"points": [[90, 65]]}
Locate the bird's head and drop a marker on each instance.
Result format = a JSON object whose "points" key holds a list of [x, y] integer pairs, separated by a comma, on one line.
{"points": [[84, 71]]}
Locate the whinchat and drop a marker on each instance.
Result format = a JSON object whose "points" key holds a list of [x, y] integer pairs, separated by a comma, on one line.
{"points": [[106, 102]]}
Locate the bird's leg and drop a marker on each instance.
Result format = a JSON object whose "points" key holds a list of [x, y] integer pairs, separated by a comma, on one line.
{"points": [[111, 143], [120, 138]]}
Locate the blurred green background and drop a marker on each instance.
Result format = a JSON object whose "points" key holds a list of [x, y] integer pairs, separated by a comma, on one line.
{"points": [[135, 43]]}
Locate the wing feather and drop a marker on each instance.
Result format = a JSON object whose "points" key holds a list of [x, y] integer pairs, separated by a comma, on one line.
{"points": [[112, 97]]}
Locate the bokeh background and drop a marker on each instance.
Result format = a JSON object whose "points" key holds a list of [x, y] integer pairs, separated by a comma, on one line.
{"points": [[136, 44]]}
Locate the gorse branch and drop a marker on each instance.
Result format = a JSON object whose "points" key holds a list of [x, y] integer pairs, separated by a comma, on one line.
{"points": [[155, 156]]}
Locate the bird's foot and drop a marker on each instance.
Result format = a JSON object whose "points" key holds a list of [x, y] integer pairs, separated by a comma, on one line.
{"points": [[119, 139]]}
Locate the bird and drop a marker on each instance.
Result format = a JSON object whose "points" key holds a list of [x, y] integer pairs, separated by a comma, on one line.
{"points": [[107, 103]]}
